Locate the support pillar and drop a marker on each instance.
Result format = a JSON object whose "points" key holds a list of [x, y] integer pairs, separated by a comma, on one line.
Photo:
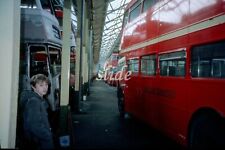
{"points": [[9, 64], [65, 136]]}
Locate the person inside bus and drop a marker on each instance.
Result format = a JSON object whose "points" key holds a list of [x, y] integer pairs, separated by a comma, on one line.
{"points": [[36, 128]]}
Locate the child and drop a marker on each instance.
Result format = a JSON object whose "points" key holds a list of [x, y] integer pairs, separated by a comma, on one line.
{"points": [[36, 126]]}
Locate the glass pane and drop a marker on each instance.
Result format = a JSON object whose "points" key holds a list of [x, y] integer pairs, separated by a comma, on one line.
{"points": [[208, 60], [133, 65], [38, 63], [135, 12], [46, 5], [172, 64], [125, 19], [28, 4], [147, 4], [148, 65]]}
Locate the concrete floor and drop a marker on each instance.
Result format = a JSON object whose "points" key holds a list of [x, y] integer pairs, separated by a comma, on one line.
{"points": [[102, 128]]}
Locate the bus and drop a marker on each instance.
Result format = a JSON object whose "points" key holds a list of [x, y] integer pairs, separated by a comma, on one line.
{"points": [[111, 69], [176, 52], [40, 52], [41, 46]]}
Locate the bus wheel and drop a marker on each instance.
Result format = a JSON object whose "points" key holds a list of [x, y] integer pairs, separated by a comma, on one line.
{"points": [[121, 106], [207, 132]]}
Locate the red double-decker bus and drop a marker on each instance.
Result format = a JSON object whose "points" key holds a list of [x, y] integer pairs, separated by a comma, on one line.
{"points": [[111, 69], [176, 52]]}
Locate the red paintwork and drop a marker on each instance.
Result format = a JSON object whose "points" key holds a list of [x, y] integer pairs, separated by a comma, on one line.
{"points": [[59, 13], [111, 64], [40, 56], [172, 113]]}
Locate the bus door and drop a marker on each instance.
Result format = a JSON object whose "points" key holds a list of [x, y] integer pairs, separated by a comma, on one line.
{"points": [[149, 87], [36, 61], [133, 101], [172, 91]]}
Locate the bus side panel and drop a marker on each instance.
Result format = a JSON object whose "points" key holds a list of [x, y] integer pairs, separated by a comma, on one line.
{"points": [[150, 100], [208, 92], [173, 94], [178, 14], [173, 15], [172, 99], [149, 27], [138, 30], [198, 9], [131, 96], [139, 101], [209, 35], [137, 35]]}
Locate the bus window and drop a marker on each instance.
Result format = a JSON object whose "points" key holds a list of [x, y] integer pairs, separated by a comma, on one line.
{"points": [[38, 60], [120, 66], [39, 63], [148, 65], [172, 64], [48, 6], [28, 4], [133, 66], [147, 4], [218, 68], [135, 10], [208, 60], [55, 60]]}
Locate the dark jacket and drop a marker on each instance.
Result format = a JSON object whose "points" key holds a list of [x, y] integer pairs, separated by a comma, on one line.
{"points": [[35, 119]]}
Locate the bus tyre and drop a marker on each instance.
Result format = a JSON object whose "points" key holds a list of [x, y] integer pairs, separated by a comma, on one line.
{"points": [[207, 132]]}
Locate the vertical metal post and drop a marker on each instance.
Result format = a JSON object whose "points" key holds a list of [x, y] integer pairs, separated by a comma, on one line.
{"points": [[81, 52], [90, 60]]}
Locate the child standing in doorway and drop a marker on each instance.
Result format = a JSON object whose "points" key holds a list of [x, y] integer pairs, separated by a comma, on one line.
{"points": [[36, 127]]}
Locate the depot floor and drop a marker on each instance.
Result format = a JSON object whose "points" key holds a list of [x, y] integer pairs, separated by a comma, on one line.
{"points": [[101, 127]]}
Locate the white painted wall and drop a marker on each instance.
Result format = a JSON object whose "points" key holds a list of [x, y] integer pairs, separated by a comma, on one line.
{"points": [[9, 66]]}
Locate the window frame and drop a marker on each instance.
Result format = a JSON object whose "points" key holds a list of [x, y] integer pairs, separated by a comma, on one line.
{"points": [[213, 53], [134, 7], [138, 66], [152, 57], [173, 58]]}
